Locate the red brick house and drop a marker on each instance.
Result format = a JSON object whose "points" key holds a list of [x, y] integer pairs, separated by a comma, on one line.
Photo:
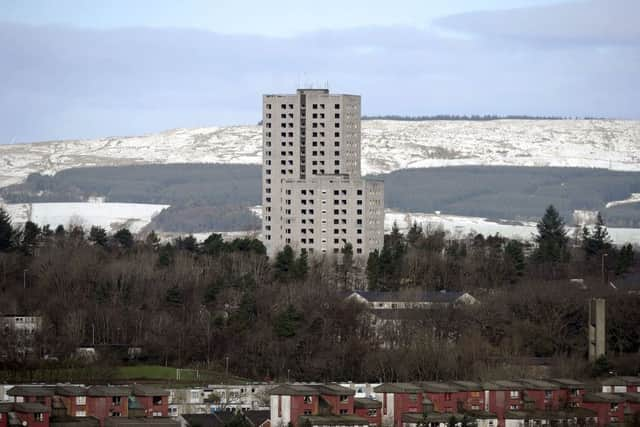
{"points": [[632, 409], [474, 399], [503, 396], [74, 399], [107, 401], [398, 399], [369, 409], [445, 397], [155, 401], [32, 394], [545, 395], [5, 408], [32, 414], [621, 385], [330, 403], [571, 392], [610, 407]]}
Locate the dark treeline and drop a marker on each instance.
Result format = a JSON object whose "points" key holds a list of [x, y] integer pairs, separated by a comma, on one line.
{"points": [[473, 117], [217, 197], [194, 304]]}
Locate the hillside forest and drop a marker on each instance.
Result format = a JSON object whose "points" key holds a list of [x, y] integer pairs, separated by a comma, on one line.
{"points": [[191, 304]]}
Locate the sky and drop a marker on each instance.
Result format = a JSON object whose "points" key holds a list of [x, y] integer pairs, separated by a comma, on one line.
{"points": [[87, 69]]}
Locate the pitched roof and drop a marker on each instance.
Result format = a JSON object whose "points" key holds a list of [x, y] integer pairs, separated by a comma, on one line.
{"points": [[203, 420], [30, 407], [550, 415], [311, 390], [603, 397], [503, 385], [107, 391], [257, 418], [335, 389], [468, 385], [132, 422], [621, 381], [31, 390], [6, 407], [539, 384], [148, 390], [364, 402], [397, 388], [295, 390], [437, 387], [568, 382], [631, 397], [433, 297], [70, 390], [333, 420], [68, 421]]}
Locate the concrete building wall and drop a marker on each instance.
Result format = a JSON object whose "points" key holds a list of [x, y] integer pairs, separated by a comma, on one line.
{"points": [[311, 158]]}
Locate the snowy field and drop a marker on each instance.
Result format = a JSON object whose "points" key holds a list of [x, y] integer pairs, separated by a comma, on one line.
{"points": [[387, 145], [110, 216]]}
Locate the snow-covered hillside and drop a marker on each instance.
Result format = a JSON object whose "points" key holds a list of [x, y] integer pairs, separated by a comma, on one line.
{"points": [[387, 145]]}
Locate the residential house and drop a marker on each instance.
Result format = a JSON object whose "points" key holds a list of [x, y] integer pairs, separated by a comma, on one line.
{"points": [[609, 407], [474, 399], [621, 385], [220, 419], [32, 394], [445, 397], [154, 400], [404, 300], [571, 391], [315, 402], [545, 395], [536, 417], [369, 409], [21, 323], [104, 402], [74, 399], [398, 399], [503, 396], [440, 419]]}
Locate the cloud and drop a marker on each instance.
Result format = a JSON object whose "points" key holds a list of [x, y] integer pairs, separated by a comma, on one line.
{"points": [[60, 82], [591, 22]]}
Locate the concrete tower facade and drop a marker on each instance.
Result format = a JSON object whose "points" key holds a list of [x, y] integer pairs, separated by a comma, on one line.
{"points": [[313, 194]]}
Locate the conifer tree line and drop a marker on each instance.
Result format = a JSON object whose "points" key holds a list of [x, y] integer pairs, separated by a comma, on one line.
{"points": [[190, 303]]}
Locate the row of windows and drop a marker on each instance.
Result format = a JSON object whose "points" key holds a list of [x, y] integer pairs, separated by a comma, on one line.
{"points": [[315, 125], [291, 106], [321, 134]]}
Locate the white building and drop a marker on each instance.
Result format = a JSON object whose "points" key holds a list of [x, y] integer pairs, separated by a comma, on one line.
{"points": [[313, 195]]}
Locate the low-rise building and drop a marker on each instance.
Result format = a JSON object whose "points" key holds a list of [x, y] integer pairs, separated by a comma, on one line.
{"points": [[369, 409], [331, 402]]}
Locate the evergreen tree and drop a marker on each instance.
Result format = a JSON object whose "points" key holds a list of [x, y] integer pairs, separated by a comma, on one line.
{"points": [[214, 244], [60, 231], [187, 243], [124, 238], [152, 240], [301, 265], [98, 236], [7, 233], [414, 233], [514, 254], [286, 323], [174, 296], [373, 270], [76, 232], [552, 240], [625, 259], [166, 255], [284, 263], [30, 235], [596, 242], [347, 261]]}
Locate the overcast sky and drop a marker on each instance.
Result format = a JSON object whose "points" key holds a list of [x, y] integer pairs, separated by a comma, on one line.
{"points": [[84, 69]]}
